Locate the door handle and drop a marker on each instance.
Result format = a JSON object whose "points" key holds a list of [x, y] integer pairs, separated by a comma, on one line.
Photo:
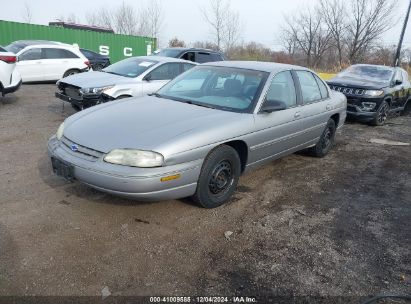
{"points": [[297, 114], [328, 107]]}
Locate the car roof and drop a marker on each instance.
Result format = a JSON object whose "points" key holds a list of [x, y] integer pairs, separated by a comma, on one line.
{"points": [[183, 49], [35, 42], [164, 59], [375, 65], [257, 65]]}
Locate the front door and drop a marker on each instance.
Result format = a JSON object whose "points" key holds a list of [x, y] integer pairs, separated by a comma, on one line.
{"points": [[160, 76]]}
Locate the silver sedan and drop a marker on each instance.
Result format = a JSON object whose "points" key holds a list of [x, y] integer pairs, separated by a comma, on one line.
{"points": [[200, 132]]}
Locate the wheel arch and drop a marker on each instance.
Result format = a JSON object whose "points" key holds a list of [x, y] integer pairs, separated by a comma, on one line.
{"points": [[242, 149]]}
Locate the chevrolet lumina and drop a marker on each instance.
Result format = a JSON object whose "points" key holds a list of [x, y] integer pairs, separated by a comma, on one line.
{"points": [[200, 132]]}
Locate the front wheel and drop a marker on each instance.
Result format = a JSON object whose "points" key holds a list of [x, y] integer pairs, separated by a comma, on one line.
{"points": [[326, 141], [382, 114], [218, 178]]}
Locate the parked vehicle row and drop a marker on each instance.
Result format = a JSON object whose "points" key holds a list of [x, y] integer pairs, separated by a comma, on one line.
{"points": [[199, 132]]}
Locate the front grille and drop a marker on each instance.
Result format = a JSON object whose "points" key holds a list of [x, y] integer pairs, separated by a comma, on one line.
{"points": [[71, 91], [348, 91], [88, 153], [351, 108]]}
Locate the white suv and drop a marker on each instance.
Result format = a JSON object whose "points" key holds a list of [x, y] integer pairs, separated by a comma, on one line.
{"points": [[10, 79], [47, 60]]}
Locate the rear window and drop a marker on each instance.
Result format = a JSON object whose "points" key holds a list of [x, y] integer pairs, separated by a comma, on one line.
{"points": [[15, 47]]}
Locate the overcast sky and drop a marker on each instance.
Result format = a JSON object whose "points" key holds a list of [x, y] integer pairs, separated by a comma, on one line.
{"points": [[182, 18]]}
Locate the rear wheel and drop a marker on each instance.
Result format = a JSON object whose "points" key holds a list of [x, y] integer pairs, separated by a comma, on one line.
{"points": [[326, 141], [71, 72], [382, 114], [98, 67], [218, 178]]}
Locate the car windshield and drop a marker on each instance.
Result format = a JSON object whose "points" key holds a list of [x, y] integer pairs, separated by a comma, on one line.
{"points": [[131, 67], [369, 72], [230, 89], [15, 47], [168, 53]]}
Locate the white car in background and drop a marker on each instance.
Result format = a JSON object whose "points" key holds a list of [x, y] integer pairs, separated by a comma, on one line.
{"points": [[132, 77], [47, 60], [10, 79]]}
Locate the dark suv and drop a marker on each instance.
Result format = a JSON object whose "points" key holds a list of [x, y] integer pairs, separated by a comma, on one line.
{"points": [[97, 61], [191, 54], [373, 91]]}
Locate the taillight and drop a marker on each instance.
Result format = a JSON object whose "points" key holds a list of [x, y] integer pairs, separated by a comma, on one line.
{"points": [[87, 63], [8, 59]]}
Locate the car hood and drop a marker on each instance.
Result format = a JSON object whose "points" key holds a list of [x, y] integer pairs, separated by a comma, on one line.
{"points": [[151, 123], [357, 83], [95, 79]]}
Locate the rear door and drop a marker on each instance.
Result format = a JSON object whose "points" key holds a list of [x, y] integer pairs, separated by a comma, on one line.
{"points": [[57, 61], [316, 108], [30, 65], [160, 76], [400, 92]]}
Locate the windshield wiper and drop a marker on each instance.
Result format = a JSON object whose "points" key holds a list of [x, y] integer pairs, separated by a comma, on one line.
{"points": [[156, 95]]}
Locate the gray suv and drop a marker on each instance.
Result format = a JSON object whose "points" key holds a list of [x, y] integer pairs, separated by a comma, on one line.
{"points": [[192, 54]]}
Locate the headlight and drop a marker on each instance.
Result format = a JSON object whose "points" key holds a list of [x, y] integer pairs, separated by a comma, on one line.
{"points": [[86, 91], [135, 158], [373, 93], [60, 131], [368, 106]]}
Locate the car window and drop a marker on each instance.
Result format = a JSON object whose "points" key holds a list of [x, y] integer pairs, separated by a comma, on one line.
{"points": [[166, 71], [229, 89], [31, 54], [2, 50], [309, 87], [203, 57], [323, 88], [87, 53], [190, 56], [216, 57], [187, 66], [282, 89], [50, 53]]}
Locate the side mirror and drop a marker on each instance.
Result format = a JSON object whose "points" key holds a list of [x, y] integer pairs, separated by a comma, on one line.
{"points": [[397, 82], [273, 106], [147, 77]]}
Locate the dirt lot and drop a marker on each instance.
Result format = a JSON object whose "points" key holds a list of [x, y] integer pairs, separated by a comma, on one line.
{"points": [[338, 226]]}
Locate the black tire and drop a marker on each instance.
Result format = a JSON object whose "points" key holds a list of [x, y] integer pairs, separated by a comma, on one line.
{"points": [[76, 107], [218, 178], [71, 72], [98, 67], [382, 114], [326, 141]]}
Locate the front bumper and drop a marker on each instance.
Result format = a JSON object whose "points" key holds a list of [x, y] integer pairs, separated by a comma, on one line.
{"points": [[81, 102], [361, 115], [137, 183]]}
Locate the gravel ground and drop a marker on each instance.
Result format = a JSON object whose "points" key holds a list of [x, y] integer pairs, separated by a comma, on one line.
{"points": [[337, 226]]}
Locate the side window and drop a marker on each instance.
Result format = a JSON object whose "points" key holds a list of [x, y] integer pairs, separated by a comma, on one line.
{"points": [[190, 56], [49, 53], [323, 88], [216, 57], [309, 86], [187, 66], [203, 57], [166, 71], [32, 54], [282, 89]]}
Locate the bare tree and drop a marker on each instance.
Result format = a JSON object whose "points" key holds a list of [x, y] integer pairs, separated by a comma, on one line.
{"points": [[175, 42], [153, 14], [125, 20], [335, 16], [27, 14], [367, 21], [71, 18], [102, 17], [308, 32], [224, 23]]}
